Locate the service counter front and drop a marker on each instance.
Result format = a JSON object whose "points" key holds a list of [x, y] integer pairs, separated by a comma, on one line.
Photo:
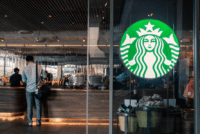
{"points": [[12, 99], [71, 103]]}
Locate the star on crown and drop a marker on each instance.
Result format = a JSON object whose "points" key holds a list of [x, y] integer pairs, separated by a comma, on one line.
{"points": [[149, 30]]}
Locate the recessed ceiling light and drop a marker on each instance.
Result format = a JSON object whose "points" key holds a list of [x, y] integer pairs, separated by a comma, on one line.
{"points": [[6, 16], [2, 39], [83, 40], [50, 16], [150, 15], [42, 22]]}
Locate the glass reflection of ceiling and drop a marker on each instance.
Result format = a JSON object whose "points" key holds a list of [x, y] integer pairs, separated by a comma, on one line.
{"points": [[50, 15], [61, 15], [67, 20]]}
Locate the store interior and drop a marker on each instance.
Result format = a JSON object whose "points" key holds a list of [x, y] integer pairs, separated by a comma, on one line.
{"points": [[73, 45]]}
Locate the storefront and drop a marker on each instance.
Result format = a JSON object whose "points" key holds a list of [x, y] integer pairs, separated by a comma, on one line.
{"points": [[116, 63]]}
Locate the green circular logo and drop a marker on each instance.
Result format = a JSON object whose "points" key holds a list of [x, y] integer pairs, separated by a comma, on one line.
{"points": [[149, 48]]}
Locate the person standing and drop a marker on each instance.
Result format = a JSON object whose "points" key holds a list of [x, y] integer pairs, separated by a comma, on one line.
{"points": [[29, 76], [15, 78], [49, 78]]}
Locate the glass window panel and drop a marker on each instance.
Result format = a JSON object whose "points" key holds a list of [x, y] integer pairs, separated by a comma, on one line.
{"points": [[138, 60], [57, 38], [98, 73]]}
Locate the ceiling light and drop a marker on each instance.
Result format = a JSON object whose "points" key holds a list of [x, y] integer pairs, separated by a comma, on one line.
{"points": [[72, 45], [97, 15], [103, 17], [42, 22], [15, 45], [2, 45], [35, 45], [101, 45], [55, 45], [106, 4], [83, 40], [2, 39], [50, 16], [94, 45], [6, 16], [150, 15]]}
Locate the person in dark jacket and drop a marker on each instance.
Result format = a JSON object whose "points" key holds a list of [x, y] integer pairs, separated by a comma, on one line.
{"points": [[49, 77], [15, 78]]}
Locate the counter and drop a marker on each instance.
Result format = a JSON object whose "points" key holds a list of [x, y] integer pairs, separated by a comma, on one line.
{"points": [[66, 103], [71, 103], [12, 99]]}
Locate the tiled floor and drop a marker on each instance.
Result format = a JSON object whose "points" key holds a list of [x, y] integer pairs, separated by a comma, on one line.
{"points": [[17, 127]]}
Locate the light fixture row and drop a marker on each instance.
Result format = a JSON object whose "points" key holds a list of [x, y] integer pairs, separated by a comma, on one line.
{"points": [[51, 45]]}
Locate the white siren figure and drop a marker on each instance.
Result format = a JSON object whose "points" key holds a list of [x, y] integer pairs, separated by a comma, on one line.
{"points": [[149, 53]]}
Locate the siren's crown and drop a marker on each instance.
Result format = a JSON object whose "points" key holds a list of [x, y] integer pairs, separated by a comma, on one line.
{"points": [[149, 30]]}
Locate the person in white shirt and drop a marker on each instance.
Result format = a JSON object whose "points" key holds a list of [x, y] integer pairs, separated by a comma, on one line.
{"points": [[29, 76]]}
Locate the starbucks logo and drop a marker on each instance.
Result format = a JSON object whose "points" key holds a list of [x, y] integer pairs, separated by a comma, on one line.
{"points": [[149, 48]]}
